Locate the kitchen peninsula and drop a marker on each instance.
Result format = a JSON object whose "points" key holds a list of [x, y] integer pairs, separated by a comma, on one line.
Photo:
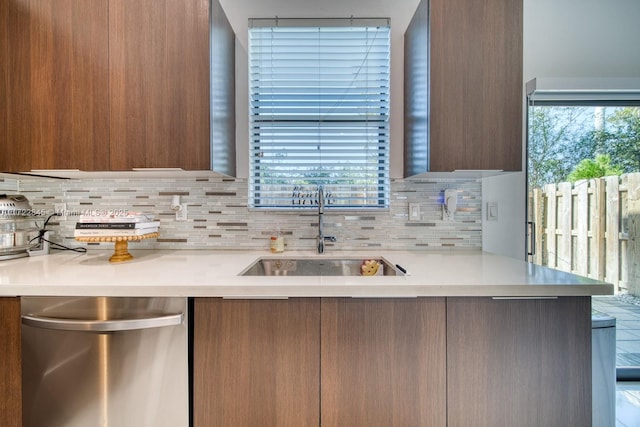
{"points": [[466, 338]]}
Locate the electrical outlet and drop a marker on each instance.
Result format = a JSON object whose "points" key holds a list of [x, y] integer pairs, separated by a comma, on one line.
{"points": [[60, 209]]}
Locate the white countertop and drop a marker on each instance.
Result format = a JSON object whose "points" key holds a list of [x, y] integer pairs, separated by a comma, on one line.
{"points": [[215, 273]]}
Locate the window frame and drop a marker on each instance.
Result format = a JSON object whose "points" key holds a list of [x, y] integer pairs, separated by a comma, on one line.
{"points": [[380, 184]]}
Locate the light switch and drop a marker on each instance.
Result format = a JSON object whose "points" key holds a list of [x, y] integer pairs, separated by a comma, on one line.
{"points": [[414, 211], [492, 211]]}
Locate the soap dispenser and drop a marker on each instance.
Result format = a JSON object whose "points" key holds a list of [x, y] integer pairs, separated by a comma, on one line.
{"points": [[276, 242]]}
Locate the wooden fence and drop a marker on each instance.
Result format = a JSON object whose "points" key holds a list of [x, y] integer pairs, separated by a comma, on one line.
{"points": [[591, 228]]}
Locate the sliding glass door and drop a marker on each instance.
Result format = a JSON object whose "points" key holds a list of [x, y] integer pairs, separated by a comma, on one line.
{"points": [[583, 186]]}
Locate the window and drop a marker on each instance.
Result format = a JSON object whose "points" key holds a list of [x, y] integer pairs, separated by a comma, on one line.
{"points": [[319, 112], [571, 134]]}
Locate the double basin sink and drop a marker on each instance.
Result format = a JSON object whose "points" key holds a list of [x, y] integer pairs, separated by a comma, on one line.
{"points": [[322, 267]]}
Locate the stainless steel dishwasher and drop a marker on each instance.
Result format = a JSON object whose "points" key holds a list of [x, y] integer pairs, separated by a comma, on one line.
{"points": [[98, 361]]}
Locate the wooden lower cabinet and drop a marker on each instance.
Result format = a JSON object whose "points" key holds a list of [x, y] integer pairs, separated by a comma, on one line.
{"points": [[519, 362], [336, 362], [310, 362], [383, 362], [256, 362], [10, 363]]}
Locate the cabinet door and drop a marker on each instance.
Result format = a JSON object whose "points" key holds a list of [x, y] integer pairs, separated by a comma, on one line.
{"points": [[476, 88], [54, 85], [159, 82], [383, 362], [519, 362], [10, 368], [256, 362]]}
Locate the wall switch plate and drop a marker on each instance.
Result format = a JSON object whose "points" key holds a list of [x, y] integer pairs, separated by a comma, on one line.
{"points": [[492, 211], [414, 211], [181, 214]]}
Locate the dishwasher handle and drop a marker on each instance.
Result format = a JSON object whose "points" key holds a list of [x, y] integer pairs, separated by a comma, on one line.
{"points": [[115, 325]]}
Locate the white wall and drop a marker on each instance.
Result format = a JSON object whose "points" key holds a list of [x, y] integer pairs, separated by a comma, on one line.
{"points": [[581, 38], [399, 11], [562, 38]]}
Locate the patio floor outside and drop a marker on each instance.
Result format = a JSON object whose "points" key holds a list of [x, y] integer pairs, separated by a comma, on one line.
{"points": [[626, 310]]}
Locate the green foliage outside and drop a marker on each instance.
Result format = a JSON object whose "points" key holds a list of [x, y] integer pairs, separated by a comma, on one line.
{"points": [[622, 139], [594, 168], [562, 138]]}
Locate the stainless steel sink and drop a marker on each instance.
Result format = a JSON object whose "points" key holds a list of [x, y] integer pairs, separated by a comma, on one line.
{"points": [[316, 267]]}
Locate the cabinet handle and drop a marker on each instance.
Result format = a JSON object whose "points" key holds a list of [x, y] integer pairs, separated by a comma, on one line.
{"points": [[101, 325], [516, 298]]}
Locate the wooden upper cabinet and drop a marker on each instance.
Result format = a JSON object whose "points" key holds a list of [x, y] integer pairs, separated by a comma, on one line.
{"points": [[107, 84], [474, 87], [159, 83], [53, 85]]}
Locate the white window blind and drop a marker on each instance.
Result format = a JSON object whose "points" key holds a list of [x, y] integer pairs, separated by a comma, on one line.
{"points": [[319, 110]]}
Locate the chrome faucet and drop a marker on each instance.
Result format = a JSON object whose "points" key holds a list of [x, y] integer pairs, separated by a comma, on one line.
{"points": [[321, 237]]}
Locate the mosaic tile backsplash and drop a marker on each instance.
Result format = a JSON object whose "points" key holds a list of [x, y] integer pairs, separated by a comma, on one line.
{"points": [[218, 216]]}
